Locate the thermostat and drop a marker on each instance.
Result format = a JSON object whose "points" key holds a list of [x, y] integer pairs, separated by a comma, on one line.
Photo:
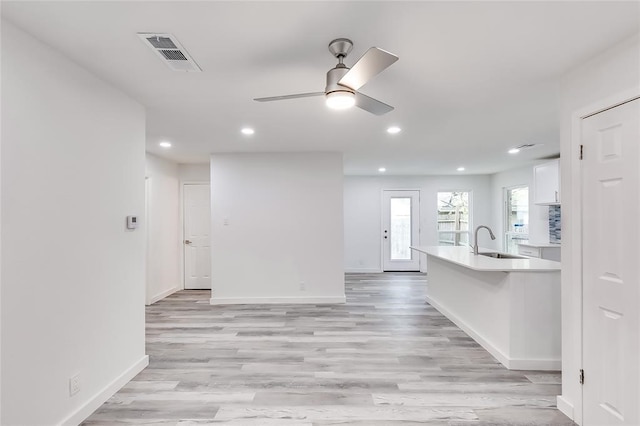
{"points": [[132, 222]]}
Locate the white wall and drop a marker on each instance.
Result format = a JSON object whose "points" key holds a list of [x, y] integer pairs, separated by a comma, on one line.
{"points": [[538, 215], [363, 212], [194, 173], [277, 222], [164, 248], [72, 275], [603, 77]]}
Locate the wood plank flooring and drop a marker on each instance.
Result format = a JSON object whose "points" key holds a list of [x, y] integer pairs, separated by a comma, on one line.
{"points": [[384, 358]]}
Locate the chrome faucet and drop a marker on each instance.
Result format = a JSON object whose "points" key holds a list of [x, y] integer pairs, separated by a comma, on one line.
{"points": [[475, 237]]}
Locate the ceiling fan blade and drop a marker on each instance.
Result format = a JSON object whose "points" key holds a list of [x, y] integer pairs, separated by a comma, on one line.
{"points": [[371, 105], [281, 98], [372, 63]]}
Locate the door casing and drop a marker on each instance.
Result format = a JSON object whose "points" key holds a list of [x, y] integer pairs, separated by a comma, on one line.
{"points": [[382, 224], [571, 181]]}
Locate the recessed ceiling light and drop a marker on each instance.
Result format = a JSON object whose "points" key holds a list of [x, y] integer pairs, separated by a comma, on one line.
{"points": [[247, 131], [514, 150], [460, 169], [382, 170], [394, 129], [165, 144]]}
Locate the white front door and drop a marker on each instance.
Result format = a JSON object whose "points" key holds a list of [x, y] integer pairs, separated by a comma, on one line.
{"points": [[197, 223], [611, 266], [400, 229]]}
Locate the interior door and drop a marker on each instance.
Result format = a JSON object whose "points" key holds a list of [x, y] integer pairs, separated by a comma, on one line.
{"points": [[611, 270], [400, 229], [197, 223]]}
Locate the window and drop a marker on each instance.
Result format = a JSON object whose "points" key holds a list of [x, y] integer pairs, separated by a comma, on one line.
{"points": [[453, 218], [516, 218], [400, 221]]}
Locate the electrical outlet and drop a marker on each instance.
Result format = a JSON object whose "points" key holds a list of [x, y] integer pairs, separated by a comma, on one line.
{"points": [[302, 287], [74, 385]]}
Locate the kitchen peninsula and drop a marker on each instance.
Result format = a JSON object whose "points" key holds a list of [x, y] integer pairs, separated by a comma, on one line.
{"points": [[511, 307]]}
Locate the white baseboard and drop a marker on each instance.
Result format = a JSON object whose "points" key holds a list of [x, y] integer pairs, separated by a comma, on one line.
{"points": [[535, 364], [162, 295], [279, 300], [565, 407], [362, 270], [510, 363], [101, 397]]}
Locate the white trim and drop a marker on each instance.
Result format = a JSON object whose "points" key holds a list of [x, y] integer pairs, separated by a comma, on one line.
{"points": [[574, 172], [276, 300], [101, 397], [181, 213], [510, 363], [363, 270], [565, 406], [162, 295]]}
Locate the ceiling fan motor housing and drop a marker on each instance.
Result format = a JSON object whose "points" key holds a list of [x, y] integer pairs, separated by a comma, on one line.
{"points": [[333, 76]]}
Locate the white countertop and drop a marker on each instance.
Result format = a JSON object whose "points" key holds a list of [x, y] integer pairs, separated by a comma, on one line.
{"points": [[463, 256]]}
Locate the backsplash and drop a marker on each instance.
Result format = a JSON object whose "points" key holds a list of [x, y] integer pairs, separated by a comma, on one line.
{"points": [[554, 224]]}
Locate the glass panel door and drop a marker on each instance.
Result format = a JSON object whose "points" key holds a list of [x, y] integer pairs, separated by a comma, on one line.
{"points": [[400, 230]]}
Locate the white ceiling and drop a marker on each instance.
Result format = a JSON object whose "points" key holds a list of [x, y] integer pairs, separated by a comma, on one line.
{"points": [[473, 79]]}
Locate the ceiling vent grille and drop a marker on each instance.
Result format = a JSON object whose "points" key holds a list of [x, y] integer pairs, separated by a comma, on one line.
{"points": [[167, 48]]}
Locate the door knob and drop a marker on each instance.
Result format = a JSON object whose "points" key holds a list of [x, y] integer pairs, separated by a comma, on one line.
{"points": [[187, 242]]}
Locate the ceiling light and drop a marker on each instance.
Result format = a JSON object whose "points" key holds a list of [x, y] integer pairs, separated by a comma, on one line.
{"points": [[382, 170], [394, 129], [514, 150], [460, 169], [247, 131], [341, 99], [165, 144]]}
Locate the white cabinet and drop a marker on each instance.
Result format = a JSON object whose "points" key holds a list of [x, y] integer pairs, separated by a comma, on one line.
{"points": [[542, 251], [546, 183]]}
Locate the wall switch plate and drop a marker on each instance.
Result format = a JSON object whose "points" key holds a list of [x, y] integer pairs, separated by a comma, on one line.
{"points": [[302, 287], [74, 384]]}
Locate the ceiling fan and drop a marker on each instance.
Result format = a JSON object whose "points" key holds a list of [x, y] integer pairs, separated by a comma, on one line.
{"points": [[343, 82]]}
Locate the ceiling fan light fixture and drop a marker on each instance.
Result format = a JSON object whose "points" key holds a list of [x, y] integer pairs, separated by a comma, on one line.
{"points": [[341, 99]]}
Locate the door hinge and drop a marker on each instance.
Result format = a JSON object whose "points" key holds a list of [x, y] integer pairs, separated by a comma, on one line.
{"points": [[581, 146], [581, 376]]}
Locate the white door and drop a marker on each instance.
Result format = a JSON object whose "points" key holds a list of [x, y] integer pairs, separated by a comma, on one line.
{"points": [[197, 222], [611, 266], [400, 229]]}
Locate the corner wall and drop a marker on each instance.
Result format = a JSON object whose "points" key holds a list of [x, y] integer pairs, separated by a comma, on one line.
{"points": [[538, 215], [72, 275], [363, 213], [277, 228], [605, 76], [164, 248]]}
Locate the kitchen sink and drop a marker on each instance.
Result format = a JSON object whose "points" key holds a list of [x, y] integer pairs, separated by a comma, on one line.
{"points": [[496, 255]]}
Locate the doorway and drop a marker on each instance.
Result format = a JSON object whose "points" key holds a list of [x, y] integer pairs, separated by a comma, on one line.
{"points": [[400, 229], [196, 231], [610, 269]]}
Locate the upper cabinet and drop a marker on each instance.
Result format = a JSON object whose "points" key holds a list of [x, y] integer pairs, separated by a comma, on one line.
{"points": [[546, 183]]}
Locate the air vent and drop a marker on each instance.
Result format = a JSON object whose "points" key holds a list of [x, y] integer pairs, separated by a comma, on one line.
{"points": [[167, 48], [161, 42]]}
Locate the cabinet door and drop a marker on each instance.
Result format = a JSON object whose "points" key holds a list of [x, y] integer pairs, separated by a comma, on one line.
{"points": [[528, 251], [546, 178]]}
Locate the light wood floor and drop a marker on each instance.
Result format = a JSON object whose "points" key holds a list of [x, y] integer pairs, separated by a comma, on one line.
{"points": [[384, 358]]}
